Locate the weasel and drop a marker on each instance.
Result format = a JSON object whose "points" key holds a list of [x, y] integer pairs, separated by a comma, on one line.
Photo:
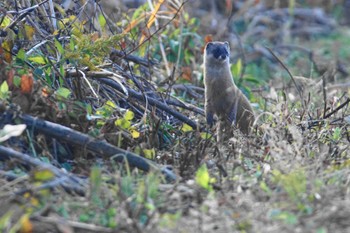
{"points": [[223, 98]]}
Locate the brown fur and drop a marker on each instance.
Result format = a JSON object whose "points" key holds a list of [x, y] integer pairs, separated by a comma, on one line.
{"points": [[222, 97]]}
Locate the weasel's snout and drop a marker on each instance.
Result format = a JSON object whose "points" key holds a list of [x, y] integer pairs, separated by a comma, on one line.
{"points": [[220, 53]]}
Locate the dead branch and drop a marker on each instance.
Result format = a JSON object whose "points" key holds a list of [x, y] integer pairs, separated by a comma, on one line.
{"points": [[98, 146], [116, 54], [151, 101], [290, 75], [337, 109], [68, 181]]}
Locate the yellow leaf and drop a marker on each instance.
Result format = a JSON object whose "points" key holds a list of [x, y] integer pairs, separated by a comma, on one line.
{"points": [[34, 201], [129, 115], [5, 21], [124, 124], [43, 175], [39, 60], [102, 20], [186, 128], [205, 135], [5, 219], [134, 133], [203, 178], [111, 104], [149, 153], [7, 46], [152, 18], [26, 225], [237, 68], [29, 31]]}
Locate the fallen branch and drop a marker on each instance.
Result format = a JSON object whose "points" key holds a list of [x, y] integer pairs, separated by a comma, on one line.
{"points": [[98, 146], [66, 180]]}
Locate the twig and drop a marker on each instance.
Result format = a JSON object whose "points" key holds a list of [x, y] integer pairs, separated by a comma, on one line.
{"points": [[289, 73], [324, 95], [22, 14], [78, 226], [158, 30], [337, 109]]}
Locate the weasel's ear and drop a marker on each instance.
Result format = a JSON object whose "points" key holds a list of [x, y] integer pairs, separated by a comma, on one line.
{"points": [[208, 45], [227, 44]]}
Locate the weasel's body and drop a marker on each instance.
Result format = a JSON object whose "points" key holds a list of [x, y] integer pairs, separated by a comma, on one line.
{"points": [[222, 97]]}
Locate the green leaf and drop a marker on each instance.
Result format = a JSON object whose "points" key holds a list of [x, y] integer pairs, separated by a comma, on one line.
{"points": [[17, 81], [203, 178], [5, 220], [123, 123], [4, 87], [265, 188], [21, 55], [237, 68], [321, 230], [71, 44], [63, 92], [43, 175], [186, 128], [336, 134], [129, 115], [288, 218], [95, 179], [38, 59], [110, 104], [102, 20], [5, 21], [206, 136], [84, 218], [149, 153], [59, 46], [252, 80]]}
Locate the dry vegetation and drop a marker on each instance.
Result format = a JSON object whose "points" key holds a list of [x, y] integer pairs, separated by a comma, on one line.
{"points": [[102, 124]]}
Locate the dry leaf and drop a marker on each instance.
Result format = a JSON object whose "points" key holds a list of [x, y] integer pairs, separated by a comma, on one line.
{"points": [[27, 83], [9, 79], [187, 73]]}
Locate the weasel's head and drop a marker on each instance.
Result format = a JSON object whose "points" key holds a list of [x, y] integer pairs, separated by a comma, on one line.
{"points": [[217, 52]]}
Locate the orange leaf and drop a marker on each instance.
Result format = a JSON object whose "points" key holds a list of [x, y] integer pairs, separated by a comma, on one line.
{"points": [[26, 225], [29, 31], [207, 38], [27, 83], [133, 24], [187, 73], [153, 17], [10, 76], [123, 44], [45, 93]]}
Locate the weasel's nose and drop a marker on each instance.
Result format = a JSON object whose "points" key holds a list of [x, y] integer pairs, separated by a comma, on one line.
{"points": [[222, 56]]}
